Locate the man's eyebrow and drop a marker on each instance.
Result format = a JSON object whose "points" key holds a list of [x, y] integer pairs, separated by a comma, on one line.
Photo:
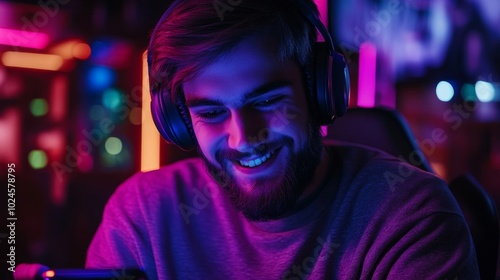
{"points": [[265, 88], [200, 102]]}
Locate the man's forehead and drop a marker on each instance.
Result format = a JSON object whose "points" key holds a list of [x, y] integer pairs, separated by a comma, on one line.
{"points": [[271, 87], [248, 67]]}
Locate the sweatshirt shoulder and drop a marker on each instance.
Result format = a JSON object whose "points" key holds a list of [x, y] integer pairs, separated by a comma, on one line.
{"points": [[183, 173], [167, 184], [365, 163], [379, 176]]}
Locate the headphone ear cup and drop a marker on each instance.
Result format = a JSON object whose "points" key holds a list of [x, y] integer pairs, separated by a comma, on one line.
{"points": [[340, 84], [324, 98], [332, 89], [172, 121]]}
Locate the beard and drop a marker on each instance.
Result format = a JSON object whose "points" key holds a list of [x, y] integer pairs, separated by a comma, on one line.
{"points": [[272, 197]]}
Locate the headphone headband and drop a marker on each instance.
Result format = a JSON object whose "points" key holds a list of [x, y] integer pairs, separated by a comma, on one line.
{"points": [[310, 14]]}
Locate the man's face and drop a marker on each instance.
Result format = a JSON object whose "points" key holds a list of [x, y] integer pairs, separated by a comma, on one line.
{"points": [[250, 117]]}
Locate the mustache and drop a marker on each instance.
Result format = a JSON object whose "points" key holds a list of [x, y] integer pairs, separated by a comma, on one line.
{"points": [[259, 150]]}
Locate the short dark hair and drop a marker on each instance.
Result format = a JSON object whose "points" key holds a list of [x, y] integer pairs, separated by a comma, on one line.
{"points": [[196, 32]]}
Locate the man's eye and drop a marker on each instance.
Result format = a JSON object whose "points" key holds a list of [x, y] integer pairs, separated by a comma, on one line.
{"points": [[269, 102], [210, 115]]}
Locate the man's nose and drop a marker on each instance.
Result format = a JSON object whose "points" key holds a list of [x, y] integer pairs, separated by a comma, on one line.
{"points": [[246, 130]]}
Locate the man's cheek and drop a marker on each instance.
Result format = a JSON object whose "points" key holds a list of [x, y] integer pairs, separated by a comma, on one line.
{"points": [[284, 117]]}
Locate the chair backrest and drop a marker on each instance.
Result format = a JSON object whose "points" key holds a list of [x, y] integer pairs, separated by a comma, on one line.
{"points": [[387, 130], [481, 214], [379, 128]]}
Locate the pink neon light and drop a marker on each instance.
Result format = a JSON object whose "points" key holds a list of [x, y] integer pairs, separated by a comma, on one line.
{"points": [[58, 98], [10, 129], [367, 75], [20, 38], [323, 15]]}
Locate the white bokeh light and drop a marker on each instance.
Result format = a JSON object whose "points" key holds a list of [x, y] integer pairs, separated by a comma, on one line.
{"points": [[444, 91], [485, 91]]}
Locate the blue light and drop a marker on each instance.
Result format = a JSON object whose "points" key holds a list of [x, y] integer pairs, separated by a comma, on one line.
{"points": [[99, 78], [485, 91], [98, 48], [444, 91]]}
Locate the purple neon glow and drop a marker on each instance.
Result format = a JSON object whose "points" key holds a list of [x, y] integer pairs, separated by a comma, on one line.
{"points": [[367, 75], [21, 38]]}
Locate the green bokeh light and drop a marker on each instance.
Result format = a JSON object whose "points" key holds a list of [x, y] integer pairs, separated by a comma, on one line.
{"points": [[113, 145], [37, 159], [39, 107]]}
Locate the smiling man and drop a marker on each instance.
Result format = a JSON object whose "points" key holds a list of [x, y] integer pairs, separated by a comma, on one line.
{"points": [[227, 103], [266, 199]]}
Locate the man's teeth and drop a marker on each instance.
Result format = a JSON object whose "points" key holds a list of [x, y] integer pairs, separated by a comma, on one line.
{"points": [[257, 161]]}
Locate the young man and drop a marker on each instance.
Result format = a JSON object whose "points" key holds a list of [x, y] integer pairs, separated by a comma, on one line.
{"points": [[266, 199]]}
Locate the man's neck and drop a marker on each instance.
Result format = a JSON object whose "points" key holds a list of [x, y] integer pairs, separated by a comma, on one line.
{"points": [[318, 178]]}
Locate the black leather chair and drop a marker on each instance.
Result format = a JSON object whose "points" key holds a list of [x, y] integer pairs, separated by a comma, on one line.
{"points": [[387, 130], [480, 212], [379, 128]]}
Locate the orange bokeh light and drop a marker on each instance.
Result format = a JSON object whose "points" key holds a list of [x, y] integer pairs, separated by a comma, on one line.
{"points": [[49, 274], [81, 51], [39, 61], [150, 137]]}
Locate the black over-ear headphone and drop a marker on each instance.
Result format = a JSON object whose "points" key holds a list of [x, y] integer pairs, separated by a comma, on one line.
{"points": [[330, 85]]}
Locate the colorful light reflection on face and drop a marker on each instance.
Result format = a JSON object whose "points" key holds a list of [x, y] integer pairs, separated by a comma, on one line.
{"points": [[250, 117]]}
